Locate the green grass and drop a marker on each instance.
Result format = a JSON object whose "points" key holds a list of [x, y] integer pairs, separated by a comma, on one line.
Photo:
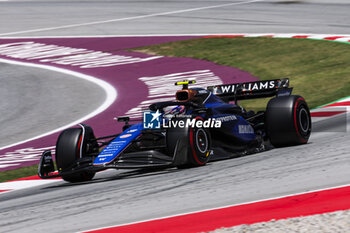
{"points": [[19, 173], [318, 70]]}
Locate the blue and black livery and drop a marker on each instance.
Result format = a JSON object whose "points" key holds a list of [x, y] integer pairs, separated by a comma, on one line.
{"points": [[285, 121]]}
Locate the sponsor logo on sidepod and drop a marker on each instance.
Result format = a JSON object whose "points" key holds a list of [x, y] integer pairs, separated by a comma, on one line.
{"points": [[126, 135], [132, 130], [245, 129]]}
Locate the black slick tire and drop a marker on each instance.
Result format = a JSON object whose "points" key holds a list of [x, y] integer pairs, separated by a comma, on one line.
{"points": [[288, 121], [71, 146]]}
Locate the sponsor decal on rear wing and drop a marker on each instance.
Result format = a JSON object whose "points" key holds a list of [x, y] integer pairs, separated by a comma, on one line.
{"points": [[250, 90]]}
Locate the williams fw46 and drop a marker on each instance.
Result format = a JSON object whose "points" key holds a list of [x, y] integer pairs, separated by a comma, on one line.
{"points": [[202, 125]]}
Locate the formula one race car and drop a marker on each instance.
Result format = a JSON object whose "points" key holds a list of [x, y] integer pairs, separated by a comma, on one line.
{"points": [[200, 126]]}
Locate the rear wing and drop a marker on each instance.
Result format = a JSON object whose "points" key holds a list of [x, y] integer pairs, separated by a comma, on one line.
{"points": [[252, 90]]}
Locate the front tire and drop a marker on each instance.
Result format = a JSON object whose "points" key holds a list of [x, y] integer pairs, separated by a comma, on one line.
{"points": [[288, 121], [74, 144]]}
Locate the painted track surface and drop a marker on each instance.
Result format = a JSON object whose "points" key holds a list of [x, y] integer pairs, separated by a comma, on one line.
{"points": [[118, 197]]}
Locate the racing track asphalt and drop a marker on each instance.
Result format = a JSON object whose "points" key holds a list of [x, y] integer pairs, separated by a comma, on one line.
{"points": [[119, 197], [35, 101], [145, 17]]}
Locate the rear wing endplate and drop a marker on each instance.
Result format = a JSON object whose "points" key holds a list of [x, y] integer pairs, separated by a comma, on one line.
{"points": [[252, 90]]}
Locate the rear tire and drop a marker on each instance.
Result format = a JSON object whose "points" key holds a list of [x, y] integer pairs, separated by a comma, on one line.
{"points": [[198, 141], [72, 144], [288, 121]]}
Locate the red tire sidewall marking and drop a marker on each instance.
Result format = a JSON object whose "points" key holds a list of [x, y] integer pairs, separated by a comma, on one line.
{"points": [[192, 145], [79, 143]]}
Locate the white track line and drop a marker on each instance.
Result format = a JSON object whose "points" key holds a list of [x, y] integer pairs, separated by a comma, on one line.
{"points": [[111, 95], [222, 207], [131, 18], [22, 184]]}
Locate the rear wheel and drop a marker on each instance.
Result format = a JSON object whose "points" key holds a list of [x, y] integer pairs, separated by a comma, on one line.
{"points": [[199, 146], [74, 144], [288, 121], [198, 142]]}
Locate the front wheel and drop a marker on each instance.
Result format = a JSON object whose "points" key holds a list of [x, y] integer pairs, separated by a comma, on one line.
{"points": [[74, 144]]}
